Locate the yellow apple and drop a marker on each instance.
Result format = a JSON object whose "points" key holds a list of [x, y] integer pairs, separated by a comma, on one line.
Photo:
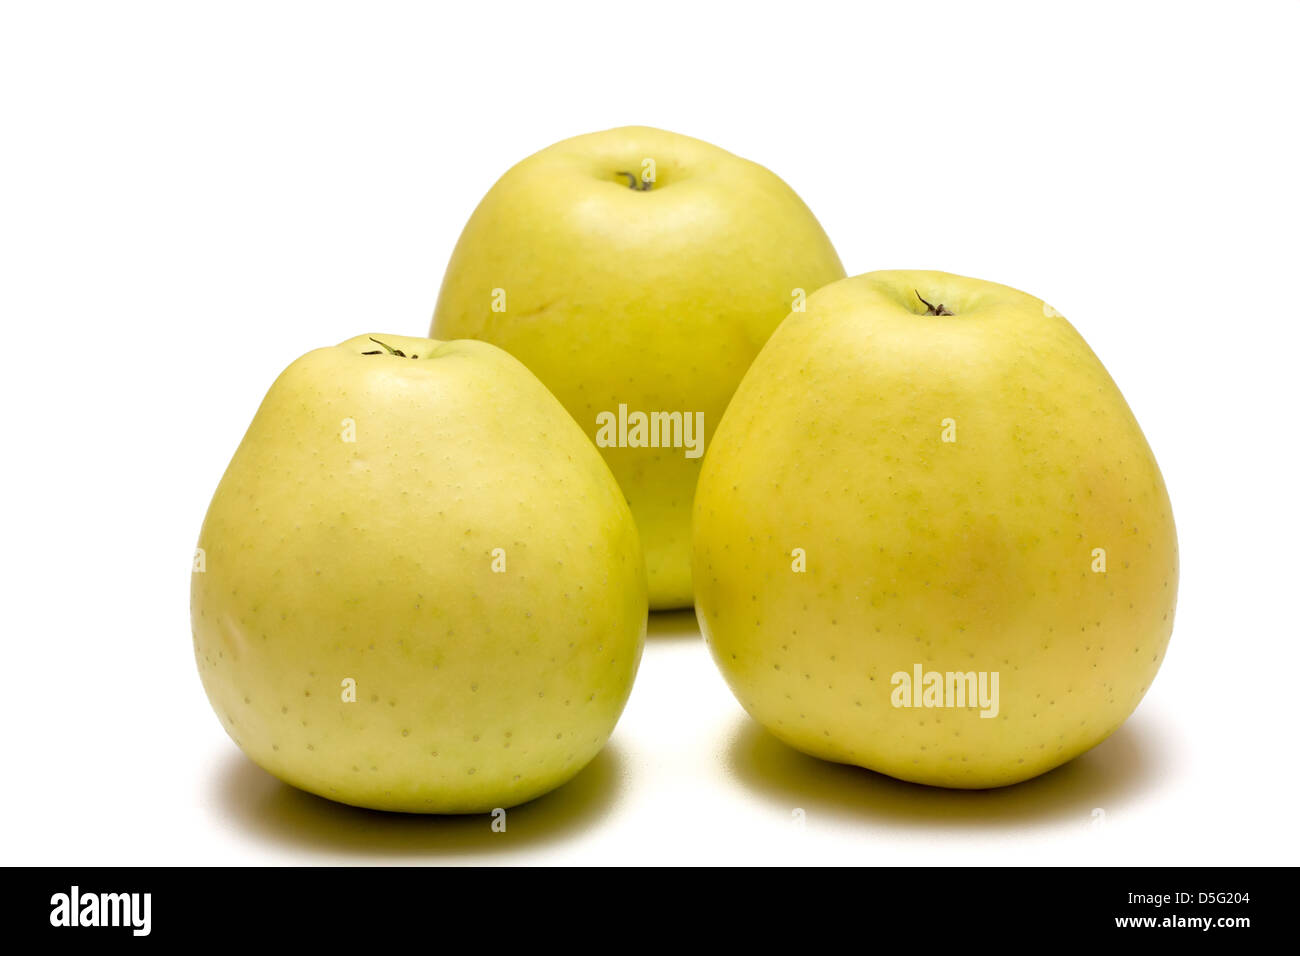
{"points": [[930, 538], [637, 272], [418, 586]]}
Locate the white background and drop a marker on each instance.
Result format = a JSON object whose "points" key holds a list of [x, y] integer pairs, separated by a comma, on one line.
{"points": [[195, 194]]}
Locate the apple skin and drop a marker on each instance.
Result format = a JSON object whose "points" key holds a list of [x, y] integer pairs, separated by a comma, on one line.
{"points": [[372, 560], [973, 555], [658, 299]]}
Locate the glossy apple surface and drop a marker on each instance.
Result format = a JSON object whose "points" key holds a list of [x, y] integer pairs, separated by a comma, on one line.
{"points": [[971, 494], [642, 268], [430, 534]]}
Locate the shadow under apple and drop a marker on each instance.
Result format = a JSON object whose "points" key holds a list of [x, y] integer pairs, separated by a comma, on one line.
{"points": [[275, 811], [1111, 774], [665, 626]]}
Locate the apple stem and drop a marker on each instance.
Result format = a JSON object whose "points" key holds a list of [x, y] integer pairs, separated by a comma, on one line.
{"points": [[387, 348], [633, 181], [932, 309]]}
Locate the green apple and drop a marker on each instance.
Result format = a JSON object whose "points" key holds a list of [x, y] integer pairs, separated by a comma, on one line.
{"points": [[930, 538], [418, 586], [637, 272]]}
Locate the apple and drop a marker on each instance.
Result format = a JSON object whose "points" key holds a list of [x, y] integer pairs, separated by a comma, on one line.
{"points": [[637, 273], [930, 538], [418, 586]]}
